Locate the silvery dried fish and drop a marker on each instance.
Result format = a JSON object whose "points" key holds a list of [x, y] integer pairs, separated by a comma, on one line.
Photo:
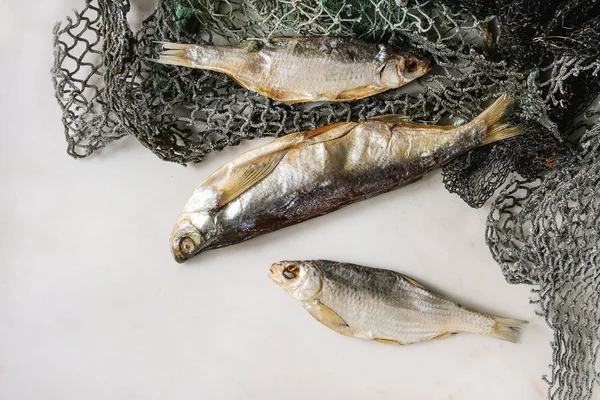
{"points": [[382, 305], [307, 174], [301, 69]]}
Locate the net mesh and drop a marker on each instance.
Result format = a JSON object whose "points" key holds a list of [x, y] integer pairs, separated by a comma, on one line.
{"points": [[543, 227], [545, 232]]}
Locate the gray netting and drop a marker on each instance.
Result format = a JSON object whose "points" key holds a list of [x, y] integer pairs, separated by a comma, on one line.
{"points": [[543, 228], [546, 232]]}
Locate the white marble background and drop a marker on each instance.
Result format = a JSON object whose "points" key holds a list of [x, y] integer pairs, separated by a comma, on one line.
{"points": [[92, 306]]}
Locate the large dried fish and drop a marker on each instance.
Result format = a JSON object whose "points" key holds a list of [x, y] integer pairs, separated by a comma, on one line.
{"points": [[301, 69], [382, 305], [307, 174]]}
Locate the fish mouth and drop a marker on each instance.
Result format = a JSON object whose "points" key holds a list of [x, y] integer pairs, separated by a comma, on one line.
{"points": [[418, 63], [180, 258], [426, 65], [423, 64], [273, 272], [186, 245]]}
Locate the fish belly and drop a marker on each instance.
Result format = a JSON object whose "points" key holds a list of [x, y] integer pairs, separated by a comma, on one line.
{"points": [[291, 76]]}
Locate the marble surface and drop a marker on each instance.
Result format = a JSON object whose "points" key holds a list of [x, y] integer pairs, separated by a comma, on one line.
{"points": [[92, 305]]}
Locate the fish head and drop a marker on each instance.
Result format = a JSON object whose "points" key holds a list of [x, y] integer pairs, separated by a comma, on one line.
{"points": [[191, 234], [403, 68], [301, 279]]}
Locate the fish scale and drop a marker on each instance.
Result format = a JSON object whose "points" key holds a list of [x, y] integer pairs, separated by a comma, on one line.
{"points": [[326, 75], [301, 69], [307, 174], [404, 320], [382, 305]]}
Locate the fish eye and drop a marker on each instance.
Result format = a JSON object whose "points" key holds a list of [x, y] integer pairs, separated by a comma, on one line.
{"points": [[187, 245], [291, 271], [411, 65]]}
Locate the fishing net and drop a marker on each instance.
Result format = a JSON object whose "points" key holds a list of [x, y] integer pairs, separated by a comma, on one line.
{"points": [[543, 227], [545, 232]]}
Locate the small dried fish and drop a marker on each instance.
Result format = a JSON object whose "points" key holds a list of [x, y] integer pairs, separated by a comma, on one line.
{"points": [[382, 305], [306, 174], [301, 69]]}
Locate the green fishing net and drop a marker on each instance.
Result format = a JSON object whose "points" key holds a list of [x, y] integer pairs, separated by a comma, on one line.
{"points": [[544, 226]]}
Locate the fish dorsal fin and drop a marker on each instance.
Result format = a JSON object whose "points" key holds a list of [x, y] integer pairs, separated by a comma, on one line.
{"points": [[327, 133], [391, 118], [246, 170], [396, 119], [274, 39], [412, 281]]}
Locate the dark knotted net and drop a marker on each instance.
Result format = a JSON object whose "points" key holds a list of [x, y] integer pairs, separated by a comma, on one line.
{"points": [[543, 228], [545, 232]]}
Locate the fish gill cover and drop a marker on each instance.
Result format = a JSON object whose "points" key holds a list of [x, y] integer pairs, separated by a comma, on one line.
{"points": [[544, 226]]}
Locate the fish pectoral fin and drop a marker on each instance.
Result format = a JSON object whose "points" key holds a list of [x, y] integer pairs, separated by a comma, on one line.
{"points": [[247, 169], [243, 178], [328, 317], [360, 92], [412, 281], [443, 335], [251, 167], [386, 341]]}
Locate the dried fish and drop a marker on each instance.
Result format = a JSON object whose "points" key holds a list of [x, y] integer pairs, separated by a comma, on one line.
{"points": [[307, 174], [382, 305], [301, 69]]}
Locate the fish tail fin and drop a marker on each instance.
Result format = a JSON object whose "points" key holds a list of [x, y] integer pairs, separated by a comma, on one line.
{"points": [[493, 118], [175, 54], [508, 329]]}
